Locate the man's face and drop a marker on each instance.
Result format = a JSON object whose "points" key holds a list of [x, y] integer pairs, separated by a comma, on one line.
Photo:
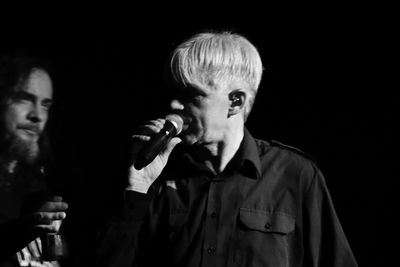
{"points": [[26, 115], [206, 107]]}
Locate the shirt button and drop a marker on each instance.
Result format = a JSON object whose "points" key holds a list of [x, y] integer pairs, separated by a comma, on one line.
{"points": [[213, 215], [268, 226], [211, 250]]}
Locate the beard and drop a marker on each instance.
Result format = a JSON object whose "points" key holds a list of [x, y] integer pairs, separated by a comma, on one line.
{"points": [[24, 151]]}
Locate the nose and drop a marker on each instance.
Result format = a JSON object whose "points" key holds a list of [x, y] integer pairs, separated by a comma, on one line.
{"points": [[36, 114], [176, 105]]}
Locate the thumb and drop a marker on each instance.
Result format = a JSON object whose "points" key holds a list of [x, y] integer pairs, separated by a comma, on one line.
{"points": [[171, 145]]}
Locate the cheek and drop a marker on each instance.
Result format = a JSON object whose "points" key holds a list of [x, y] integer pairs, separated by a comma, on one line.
{"points": [[207, 116], [45, 117], [11, 118]]}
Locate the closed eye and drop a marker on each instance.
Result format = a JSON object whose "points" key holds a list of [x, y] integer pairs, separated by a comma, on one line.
{"points": [[47, 103], [22, 96], [193, 97], [188, 94]]}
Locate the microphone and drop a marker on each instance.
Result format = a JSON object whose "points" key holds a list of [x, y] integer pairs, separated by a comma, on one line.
{"points": [[172, 127]]}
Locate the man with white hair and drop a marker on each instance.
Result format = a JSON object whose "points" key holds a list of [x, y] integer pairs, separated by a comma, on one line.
{"points": [[221, 197]]}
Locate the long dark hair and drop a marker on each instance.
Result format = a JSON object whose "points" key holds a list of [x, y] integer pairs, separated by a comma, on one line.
{"points": [[15, 69]]}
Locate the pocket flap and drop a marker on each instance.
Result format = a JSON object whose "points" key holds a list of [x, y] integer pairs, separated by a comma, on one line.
{"points": [[276, 222]]}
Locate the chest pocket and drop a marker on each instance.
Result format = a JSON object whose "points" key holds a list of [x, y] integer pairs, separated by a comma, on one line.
{"points": [[262, 221], [263, 238]]}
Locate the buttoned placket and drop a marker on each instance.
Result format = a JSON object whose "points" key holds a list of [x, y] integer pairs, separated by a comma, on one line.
{"points": [[209, 254]]}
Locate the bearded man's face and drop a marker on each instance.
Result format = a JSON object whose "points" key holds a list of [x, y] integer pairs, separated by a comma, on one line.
{"points": [[26, 115]]}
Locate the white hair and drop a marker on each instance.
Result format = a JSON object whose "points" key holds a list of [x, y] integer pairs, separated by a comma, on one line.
{"points": [[218, 57]]}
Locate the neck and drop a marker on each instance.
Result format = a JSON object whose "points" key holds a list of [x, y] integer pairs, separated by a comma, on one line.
{"points": [[217, 155]]}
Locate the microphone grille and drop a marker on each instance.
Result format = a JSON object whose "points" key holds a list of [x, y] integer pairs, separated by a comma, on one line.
{"points": [[177, 120]]}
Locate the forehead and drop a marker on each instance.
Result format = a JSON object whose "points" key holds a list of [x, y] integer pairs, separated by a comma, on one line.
{"points": [[213, 86], [39, 84], [193, 89]]}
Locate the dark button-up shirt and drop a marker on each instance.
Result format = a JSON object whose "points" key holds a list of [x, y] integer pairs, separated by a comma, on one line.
{"points": [[269, 207]]}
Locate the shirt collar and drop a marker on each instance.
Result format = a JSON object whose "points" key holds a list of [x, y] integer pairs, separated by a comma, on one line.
{"points": [[246, 159]]}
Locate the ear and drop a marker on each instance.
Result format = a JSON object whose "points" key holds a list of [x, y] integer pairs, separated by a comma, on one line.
{"points": [[237, 100]]}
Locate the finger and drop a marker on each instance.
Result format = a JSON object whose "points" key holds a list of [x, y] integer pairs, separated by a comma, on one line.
{"points": [[43, 218], [53, 206], [171, 145], [55, 198], [145, 132], [140, 138], [159, 123], [47, 228], [144, 135], [48, 217], [151, 128]]}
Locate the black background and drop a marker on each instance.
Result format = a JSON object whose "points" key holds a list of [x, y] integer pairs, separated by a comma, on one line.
{"points": [[326, 90]]}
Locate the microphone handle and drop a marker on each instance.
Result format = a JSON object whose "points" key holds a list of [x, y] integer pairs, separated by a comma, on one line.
{"points": [[155, 145]]}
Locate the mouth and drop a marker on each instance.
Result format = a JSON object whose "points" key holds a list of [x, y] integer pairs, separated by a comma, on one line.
{"points": [[186, 122], [30, 130], [187, 126]]}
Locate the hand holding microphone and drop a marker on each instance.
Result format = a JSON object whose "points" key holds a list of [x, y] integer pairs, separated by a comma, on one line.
{"points": [[173, 126], [151, 149]]}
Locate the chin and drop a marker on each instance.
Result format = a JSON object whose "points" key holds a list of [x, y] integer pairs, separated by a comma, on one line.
{"points": [[27, 137], [25, 150]]}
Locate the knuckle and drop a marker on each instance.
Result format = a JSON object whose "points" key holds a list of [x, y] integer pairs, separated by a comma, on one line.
{"points": [[61, 215], [140, 137], [53, 228]]}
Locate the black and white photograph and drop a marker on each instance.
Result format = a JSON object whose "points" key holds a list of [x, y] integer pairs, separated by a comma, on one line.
{"points": [[130, 137]]}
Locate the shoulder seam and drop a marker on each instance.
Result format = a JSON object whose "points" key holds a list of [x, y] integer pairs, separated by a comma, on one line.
{"points": [[262, 146], [294, 149]]}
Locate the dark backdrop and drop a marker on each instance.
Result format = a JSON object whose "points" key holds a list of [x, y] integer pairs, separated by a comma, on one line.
{"points": [[325, 90]]}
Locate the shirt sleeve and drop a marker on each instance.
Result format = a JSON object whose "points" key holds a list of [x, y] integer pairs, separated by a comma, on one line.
{"points": [[117, 242], [14, 235], [325, 242]]}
